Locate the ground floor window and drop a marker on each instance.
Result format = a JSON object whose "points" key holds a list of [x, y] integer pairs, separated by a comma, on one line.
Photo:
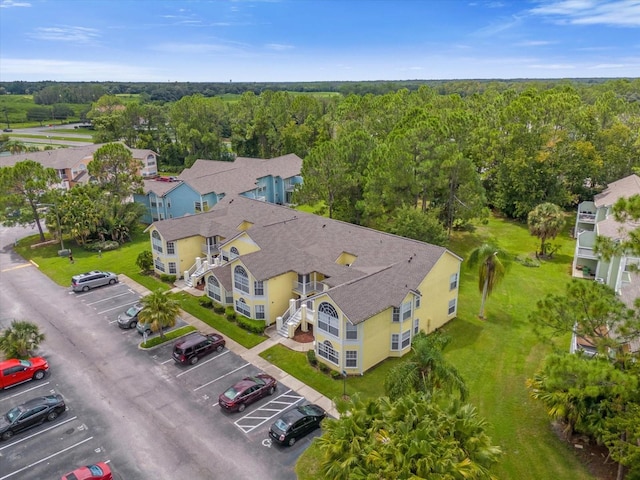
{"points": [[172, 268], [452, 306], [326, 351], [416, 326], [351, 358], [395, 341], [158, 264], [406, 339], [243, 308], [259, 312]]}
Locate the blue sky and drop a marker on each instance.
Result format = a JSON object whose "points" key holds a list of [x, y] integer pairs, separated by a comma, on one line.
{"points": [[316, 40]]}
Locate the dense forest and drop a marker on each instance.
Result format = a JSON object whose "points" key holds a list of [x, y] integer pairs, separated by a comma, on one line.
{"points": [[419, 160]]}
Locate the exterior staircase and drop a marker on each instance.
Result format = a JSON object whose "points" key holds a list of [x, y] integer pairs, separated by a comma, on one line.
{"points": [[294, 320]]}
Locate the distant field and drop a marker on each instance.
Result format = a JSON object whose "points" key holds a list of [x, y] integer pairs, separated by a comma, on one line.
{"points": [[13, 111]]}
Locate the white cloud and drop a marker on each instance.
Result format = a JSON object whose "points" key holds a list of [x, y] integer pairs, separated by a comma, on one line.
{"points": [[192, 48], [534, 43], [66, 34], [278, 47], [12, 4], [622, 13], [62, 70], [554, 66]]}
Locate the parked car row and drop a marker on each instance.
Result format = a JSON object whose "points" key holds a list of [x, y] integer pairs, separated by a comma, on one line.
{"points": [[188, 350], [35, 412], [14, 371]]}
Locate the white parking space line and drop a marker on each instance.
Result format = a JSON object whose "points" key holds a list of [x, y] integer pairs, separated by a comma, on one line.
{"points": [[46, 458], [200, 364], [166, 361], [118, 307], [110, 298], [38, 433], [221, 377], [24, 391], [255, 419]]}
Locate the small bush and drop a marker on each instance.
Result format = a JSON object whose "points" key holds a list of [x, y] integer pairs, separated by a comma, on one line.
{"points": [[253, 326], [152, 342], [230, 313], [311, 358], [168, 278], [102, 246], [323, 367], [205, 302], [336, 375], [218, 308]]}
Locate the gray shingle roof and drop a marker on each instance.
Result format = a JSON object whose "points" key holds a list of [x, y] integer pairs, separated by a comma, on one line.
{"points": [[233, 178], [62, 158], [386, 267], [622, 188]]}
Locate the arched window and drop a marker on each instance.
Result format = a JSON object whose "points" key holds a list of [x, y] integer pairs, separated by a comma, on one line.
{"points": [[326, 351], [156, 241], [243, 308], [213, 288], [234, 252], [241, 279], [328, 319]]}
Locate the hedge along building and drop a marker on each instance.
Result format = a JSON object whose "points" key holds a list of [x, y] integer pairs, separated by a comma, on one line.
{"points": [[364, 294]]}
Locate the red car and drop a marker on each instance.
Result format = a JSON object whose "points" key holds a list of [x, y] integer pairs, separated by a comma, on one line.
{"points": [[247, 391], [99, 471], [16, 371]]}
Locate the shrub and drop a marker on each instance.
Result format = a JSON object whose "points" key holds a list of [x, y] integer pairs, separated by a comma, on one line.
{"points": [[145, 261], [230, 313], [336, 375], [218, 308], [102, 246], [311, 358], [205, 302], [167, 278], [323, 367], [152, 342], [253, 326]]}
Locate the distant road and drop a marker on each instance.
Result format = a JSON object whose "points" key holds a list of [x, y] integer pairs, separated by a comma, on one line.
{"points": [[50, 131]]}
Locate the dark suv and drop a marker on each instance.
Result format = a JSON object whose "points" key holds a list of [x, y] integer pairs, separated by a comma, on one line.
{"points": [[86, 281], [191, 348]]}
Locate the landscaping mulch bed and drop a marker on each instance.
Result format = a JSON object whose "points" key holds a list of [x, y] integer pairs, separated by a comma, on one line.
{"points": [[304, 337], [593, 456]]}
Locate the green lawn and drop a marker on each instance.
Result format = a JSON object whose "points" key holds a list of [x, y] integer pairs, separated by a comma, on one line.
{"points": [[496, 356], [121, 261]]}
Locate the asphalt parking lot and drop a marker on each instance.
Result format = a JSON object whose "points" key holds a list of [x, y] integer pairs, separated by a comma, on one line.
{"points": [[53, 448], [82, 435]]}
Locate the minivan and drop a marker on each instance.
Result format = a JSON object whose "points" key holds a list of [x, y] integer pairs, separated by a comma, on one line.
{"points": [[86, 281], [191, 348]]}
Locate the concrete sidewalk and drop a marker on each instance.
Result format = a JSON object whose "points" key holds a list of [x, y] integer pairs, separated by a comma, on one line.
{"points": [[252, 355]]}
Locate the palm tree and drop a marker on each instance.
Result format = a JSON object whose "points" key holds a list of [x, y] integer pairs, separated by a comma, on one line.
{"points": [[545, 221], [492, 263], [426, 371], [21, 339], [159, 311]]}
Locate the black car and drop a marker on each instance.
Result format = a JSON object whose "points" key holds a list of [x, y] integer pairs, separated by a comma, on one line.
{"points": [[296, 423], [30, 414], [195, 346]]}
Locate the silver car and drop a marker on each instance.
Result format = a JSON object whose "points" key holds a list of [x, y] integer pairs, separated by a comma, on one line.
{"points": [[86, 281], [129, 319]]}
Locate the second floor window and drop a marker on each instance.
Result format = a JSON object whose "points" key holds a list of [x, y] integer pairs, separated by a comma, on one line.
{"points": [[328, 319], [258, 289], [241, 279], [453, 281], [171, 248], [352, 331], [213, 288], [201, 206], [156, 241]]}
